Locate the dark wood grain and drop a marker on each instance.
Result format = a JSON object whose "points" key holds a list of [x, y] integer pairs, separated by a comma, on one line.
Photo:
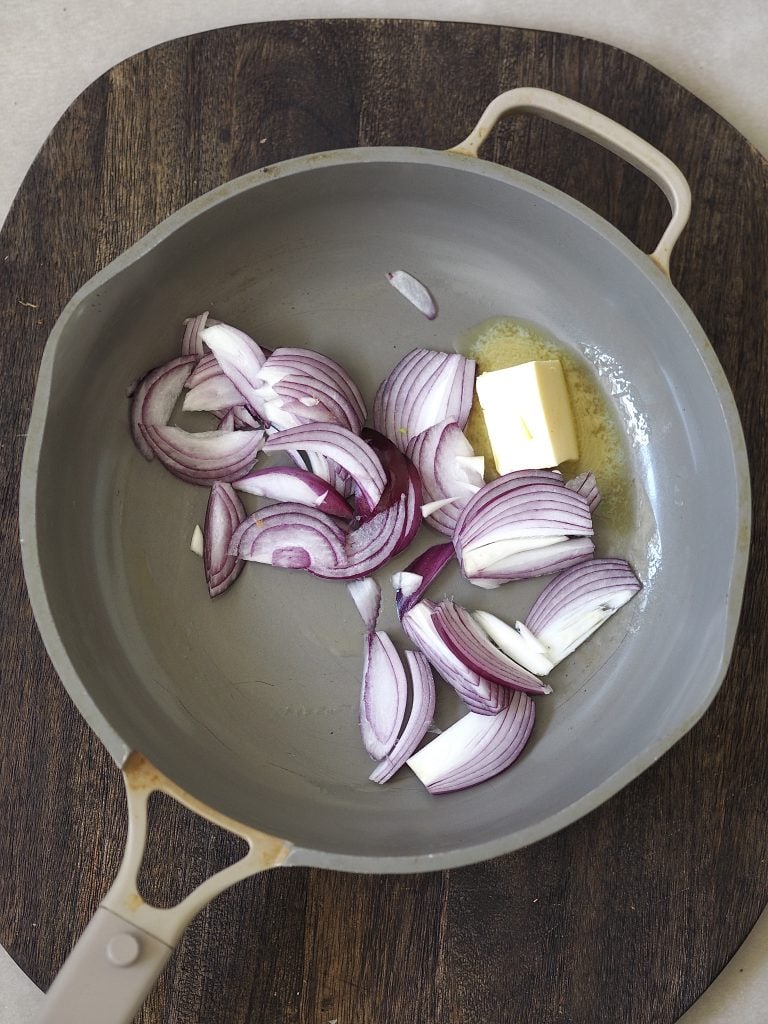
{"points": [[627, 915]]}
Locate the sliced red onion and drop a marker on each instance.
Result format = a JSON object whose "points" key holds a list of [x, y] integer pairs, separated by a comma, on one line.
{"points": [[402, 478], [216, 394], [383, 695], [540, 561], [244, 420], [524, 524], [366, 593], [424, 388], [586, 485], [419, 719], [206, 456], [340, 445], [374, 542], [411, 584], [413, 290], [467, 641], [406, 583], [285, 483], [192, 342], [579, 601], [207, 367], [227, 421], [239, 357], [479, 694], [446, 463], [299, 386], [518, 643], [196, 544], [224, 515], [154, 397], [290, 535], [475, 748]]}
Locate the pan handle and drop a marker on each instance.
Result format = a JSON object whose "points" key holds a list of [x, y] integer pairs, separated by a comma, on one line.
{"points": [[608, 133], [121, 953]]}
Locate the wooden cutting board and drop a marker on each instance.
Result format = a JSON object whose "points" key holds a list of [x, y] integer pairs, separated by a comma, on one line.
{"points": [[627, 915]]}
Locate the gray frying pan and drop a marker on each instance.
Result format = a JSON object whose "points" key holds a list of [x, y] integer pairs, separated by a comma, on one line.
{"points": [[245, 708]]}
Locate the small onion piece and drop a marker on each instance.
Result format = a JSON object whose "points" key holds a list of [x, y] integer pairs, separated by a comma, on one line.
{"points": [[206, 456], [196, 544], [480, 695], [227, 421], [366, 593], [471, 644], [518, 643], [475, 748], [207, 367], [577, 602], [287, 483], [383, 695], [343, 447], [411, 584], [423, 389], [449, 476], [154, 397], [290, 535], [239, 357], [413, 290], [215, 394], [419, 719], [224, 515], [300, 386], [586, 485], [192, 342]]}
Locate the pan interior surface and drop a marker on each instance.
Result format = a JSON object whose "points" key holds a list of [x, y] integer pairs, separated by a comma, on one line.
{"points": [[250, 701]]}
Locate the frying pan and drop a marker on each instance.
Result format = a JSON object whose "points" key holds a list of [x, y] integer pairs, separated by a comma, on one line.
{"points": [[244, 708]]}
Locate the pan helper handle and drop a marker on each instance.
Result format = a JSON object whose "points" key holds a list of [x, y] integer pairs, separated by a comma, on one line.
{"points": [[608, 133], [121, 953]]}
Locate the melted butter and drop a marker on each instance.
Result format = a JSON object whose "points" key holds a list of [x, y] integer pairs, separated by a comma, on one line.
{"points": [[503, 341]]}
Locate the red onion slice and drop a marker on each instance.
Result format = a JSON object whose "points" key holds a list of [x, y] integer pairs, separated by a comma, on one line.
{"points": [[224, 515], [374, 542], [423, 389], [215, 394], [383, 695], [577, 602], [366, 593], [285, 483], [479, 694], [154, 397], [340, 445], [475, 748], [299, 386], [291, 536], [207, 456], [207, 367], [445, 461], [419, 719], [586, 485], [517, 642], [192, 342], [525, 524], [239, 357], [411, 584], [472, 645], [413, 290], [227, 421], [539, 561]]}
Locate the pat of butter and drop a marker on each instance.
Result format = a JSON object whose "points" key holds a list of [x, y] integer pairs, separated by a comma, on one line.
{"points": [[528, 415]]}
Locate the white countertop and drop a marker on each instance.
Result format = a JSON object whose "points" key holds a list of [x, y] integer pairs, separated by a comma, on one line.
{"points": [[53, 49]]}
